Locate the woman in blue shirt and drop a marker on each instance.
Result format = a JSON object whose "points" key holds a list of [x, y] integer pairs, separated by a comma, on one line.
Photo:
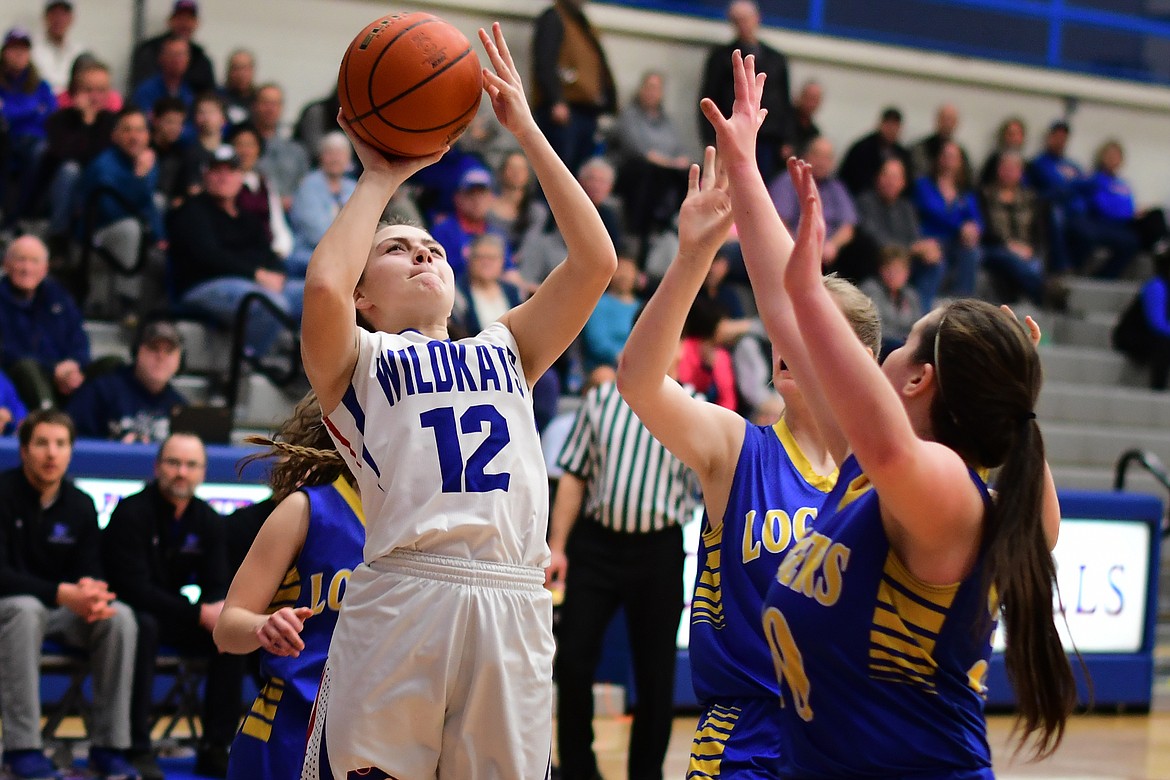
{"points": [[948, 211], [26, 100], [1111, 220]]}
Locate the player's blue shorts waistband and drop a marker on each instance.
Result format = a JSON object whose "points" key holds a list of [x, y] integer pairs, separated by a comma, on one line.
{"points": [[490, 574]]}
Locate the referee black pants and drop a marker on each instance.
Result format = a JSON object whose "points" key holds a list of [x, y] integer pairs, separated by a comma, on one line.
{"points": [[643, 573]]}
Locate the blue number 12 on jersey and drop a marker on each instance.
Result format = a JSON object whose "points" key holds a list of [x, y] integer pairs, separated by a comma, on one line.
{"points": [[468, 476]]}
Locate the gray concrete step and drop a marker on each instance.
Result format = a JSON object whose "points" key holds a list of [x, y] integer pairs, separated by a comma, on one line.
{"points": [[206, 350], [1075, 402], [1101, 478], [263, 405], [107, 339], [1076, 444], [1093, 329], [1089, 366], [1098, 295]]}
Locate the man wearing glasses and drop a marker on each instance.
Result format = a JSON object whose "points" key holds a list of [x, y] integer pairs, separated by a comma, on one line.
{"points": [[159, 542]]}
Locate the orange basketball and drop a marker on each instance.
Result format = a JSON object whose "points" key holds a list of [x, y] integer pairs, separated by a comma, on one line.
{"points": [[409, 84]]}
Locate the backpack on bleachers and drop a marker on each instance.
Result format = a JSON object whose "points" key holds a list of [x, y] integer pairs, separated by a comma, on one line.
{"points": [[1132, 335]]}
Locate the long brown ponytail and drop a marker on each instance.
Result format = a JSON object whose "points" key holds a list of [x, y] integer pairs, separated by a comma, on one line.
{"points": [[989, 378]]}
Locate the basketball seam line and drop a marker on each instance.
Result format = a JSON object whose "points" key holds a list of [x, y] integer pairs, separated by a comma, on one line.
{"points": [[422, 83]]}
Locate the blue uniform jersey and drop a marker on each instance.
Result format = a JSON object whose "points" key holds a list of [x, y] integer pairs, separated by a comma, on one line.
{"points": [[882, 675], [271, 741], [774, 498]]}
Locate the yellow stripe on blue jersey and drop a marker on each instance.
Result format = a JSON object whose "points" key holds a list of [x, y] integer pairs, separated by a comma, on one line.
{"points": [[288, 592], [821, 482], [772, 504], [710, 741], [879, 673], [857, 488], [258, 723], [907, 620], [707, 603]]}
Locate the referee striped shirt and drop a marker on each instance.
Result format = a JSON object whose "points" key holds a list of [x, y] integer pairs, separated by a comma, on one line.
{"points": [[633, 485]]}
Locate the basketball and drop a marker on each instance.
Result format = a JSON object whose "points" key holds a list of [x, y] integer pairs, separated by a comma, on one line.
{"points": [[409, 84]]}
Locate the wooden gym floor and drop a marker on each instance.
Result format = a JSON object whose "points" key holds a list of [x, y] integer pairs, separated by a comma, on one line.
{"points": [[1095, 747]]}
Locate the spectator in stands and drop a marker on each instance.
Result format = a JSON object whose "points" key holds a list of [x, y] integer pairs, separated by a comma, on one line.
{"points": [[183, 23], [1009, 138], [134, 403], [76, 135], [257, 196], [886, 217], [210, 122], [924, 153], [283, 161], [869, 153], [515, 208], [170, 82], [652, 160], [319, 198], [717, 84], [1111, 220], [1143, 330], [158, 542], [1061, 183], [43, 344], [26, 101], [597, 178], [220, 254], [804, 110], [840, 213], [949, 212], [51, 585], [704, 363], [316, 120], [166, 139], [1014, 241], [486, 138], [239, 86], [751, 360], [455, 233], [119, 186], [609, 325], [543, 249], [12, 409], [897, 302], [113, 98], [484, 295], [572, 82], [54, 49]]}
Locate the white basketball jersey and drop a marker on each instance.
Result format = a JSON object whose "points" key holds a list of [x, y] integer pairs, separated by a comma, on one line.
{"points": [[444, 445]]}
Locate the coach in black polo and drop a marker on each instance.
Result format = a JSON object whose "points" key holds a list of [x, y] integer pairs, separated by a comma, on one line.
{"points": [[626, 551], [159, 541]]}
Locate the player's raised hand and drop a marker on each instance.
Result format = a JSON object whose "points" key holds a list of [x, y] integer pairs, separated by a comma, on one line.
{"points": [[705, 216], [804, 267], [375, 161], [280, 634], [735, 136], [1029, 323], [504, 87]]}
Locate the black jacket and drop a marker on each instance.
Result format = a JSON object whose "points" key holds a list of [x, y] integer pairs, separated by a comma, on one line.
{"points": [[150, 555], [42, 548], [208, 243], [719, 85]]}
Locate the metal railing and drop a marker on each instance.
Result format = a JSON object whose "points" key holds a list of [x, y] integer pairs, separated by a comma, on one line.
{"points": [[1149, 462], [279, 376]]}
